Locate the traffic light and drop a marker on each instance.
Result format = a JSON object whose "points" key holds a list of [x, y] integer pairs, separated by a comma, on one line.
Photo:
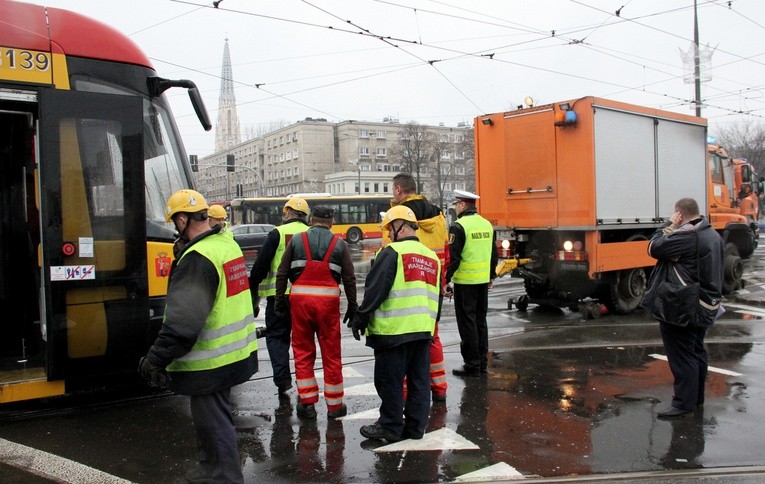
{"points": [[230, 163], [193, 163]]}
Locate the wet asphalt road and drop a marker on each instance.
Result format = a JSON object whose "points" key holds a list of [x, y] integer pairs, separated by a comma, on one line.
{"points": [[564, 397]]}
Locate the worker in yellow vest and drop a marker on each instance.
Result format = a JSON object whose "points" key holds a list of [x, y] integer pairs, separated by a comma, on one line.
{"points": [[471, 270], [263, 277], [207, 343], [398, 315]]}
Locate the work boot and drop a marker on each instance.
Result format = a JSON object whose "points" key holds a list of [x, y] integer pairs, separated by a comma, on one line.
{"points": [[306, 412], [465, 371], [378, 432], [439, 397], [340, 412], [198, 475]]}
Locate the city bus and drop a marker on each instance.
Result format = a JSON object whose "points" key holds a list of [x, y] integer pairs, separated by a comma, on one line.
{"points": [[89, 154], [357, 217]]}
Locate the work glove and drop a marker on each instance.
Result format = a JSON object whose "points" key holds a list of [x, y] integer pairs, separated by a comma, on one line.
{"points": [[154, 376], [282, 309], [357, 327], [255, 304], [349, 314]]}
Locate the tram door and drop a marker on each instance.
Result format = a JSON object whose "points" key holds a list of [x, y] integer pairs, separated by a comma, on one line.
{"points": [[93, 228], [20, 338]]}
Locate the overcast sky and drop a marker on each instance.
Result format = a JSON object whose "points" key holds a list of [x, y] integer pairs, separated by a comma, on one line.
{"points": [[434, 61]]}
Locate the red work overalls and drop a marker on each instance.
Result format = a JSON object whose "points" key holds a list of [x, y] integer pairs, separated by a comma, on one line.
{"points": [[315, 309]]}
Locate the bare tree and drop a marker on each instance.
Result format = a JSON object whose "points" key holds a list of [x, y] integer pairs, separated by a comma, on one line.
{"points": [[745, 140], [254, 131], [412, 151], [466, 148]]}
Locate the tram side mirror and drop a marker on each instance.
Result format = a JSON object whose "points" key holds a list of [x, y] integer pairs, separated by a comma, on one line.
{"points": [[158, 85]]}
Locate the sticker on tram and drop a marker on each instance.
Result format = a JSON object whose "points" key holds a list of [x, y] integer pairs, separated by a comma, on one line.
{"points": [[72, 273], [25, 65]]}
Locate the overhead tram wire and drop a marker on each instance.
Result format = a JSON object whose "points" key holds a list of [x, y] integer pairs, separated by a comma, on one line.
{"points": [[389, 40]]}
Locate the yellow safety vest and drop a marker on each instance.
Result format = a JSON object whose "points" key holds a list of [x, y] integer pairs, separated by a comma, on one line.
{"points": [[267, 286], [229, 333], [412, 304], [475, 262]]}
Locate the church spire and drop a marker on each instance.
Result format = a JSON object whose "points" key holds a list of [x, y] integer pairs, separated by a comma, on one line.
{"points": [[227, 128]]}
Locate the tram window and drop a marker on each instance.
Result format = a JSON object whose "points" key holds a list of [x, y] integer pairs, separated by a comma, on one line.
{"points": [[102, 166], [163, 170]]}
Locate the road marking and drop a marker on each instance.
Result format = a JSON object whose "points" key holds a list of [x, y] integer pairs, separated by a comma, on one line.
{"points": [[753, 310], [711, 368], [441, 439], [500, 471], [51, 466]]}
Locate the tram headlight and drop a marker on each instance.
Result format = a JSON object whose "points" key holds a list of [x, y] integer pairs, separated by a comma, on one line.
{"points": [[505, 244], [568, 245]]}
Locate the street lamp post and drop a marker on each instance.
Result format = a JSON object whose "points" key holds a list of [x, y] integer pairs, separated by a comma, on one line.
{"points": [[359, 189]]}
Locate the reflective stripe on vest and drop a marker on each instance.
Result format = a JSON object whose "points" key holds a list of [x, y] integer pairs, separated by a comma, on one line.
{"points": [[412, 304], [267, 286], [475, 262], [229, 333]]}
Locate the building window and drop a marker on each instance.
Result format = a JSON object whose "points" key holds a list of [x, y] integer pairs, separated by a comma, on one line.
{"points": [[460, 170], [445, 169], [382, 134], [382, 152], [377, 187], [459, 155], [459, 186], [445, 155], [363, 133], [366, 187], [364, 151], [385, 188]]}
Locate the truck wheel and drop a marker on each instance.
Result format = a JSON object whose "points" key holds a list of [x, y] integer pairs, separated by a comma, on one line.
{"points": [[626, 292], [353, 236], [733, 269]]}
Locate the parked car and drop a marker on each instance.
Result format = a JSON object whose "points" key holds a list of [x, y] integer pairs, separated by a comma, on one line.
{"points": [[250, 238]]}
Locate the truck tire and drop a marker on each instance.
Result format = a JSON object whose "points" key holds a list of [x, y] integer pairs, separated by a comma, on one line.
{"points": [[626, 292], [733, 269], [353, 236]]}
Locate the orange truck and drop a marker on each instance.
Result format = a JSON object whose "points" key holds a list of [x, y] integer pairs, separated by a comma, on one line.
{"points": [[733, 209], [575, 189]]}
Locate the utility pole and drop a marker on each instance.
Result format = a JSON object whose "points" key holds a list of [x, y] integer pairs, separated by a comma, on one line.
{"points": [[696, 60]]}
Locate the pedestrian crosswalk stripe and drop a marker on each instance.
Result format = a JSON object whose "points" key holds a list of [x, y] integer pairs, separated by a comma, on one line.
{"points": [[441, 439], [711, 368], [363, 389], [51, 466], [500, 471]]}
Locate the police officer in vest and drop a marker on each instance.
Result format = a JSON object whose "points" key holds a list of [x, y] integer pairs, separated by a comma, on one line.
{"points": [[398, 315], [472, 268], [263, 276], [207, 343], [315, 262]]}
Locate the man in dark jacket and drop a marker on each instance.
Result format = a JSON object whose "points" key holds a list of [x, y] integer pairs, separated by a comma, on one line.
{"points": [[472, 269], [688, 250], [315, 262], [207, 343]]}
